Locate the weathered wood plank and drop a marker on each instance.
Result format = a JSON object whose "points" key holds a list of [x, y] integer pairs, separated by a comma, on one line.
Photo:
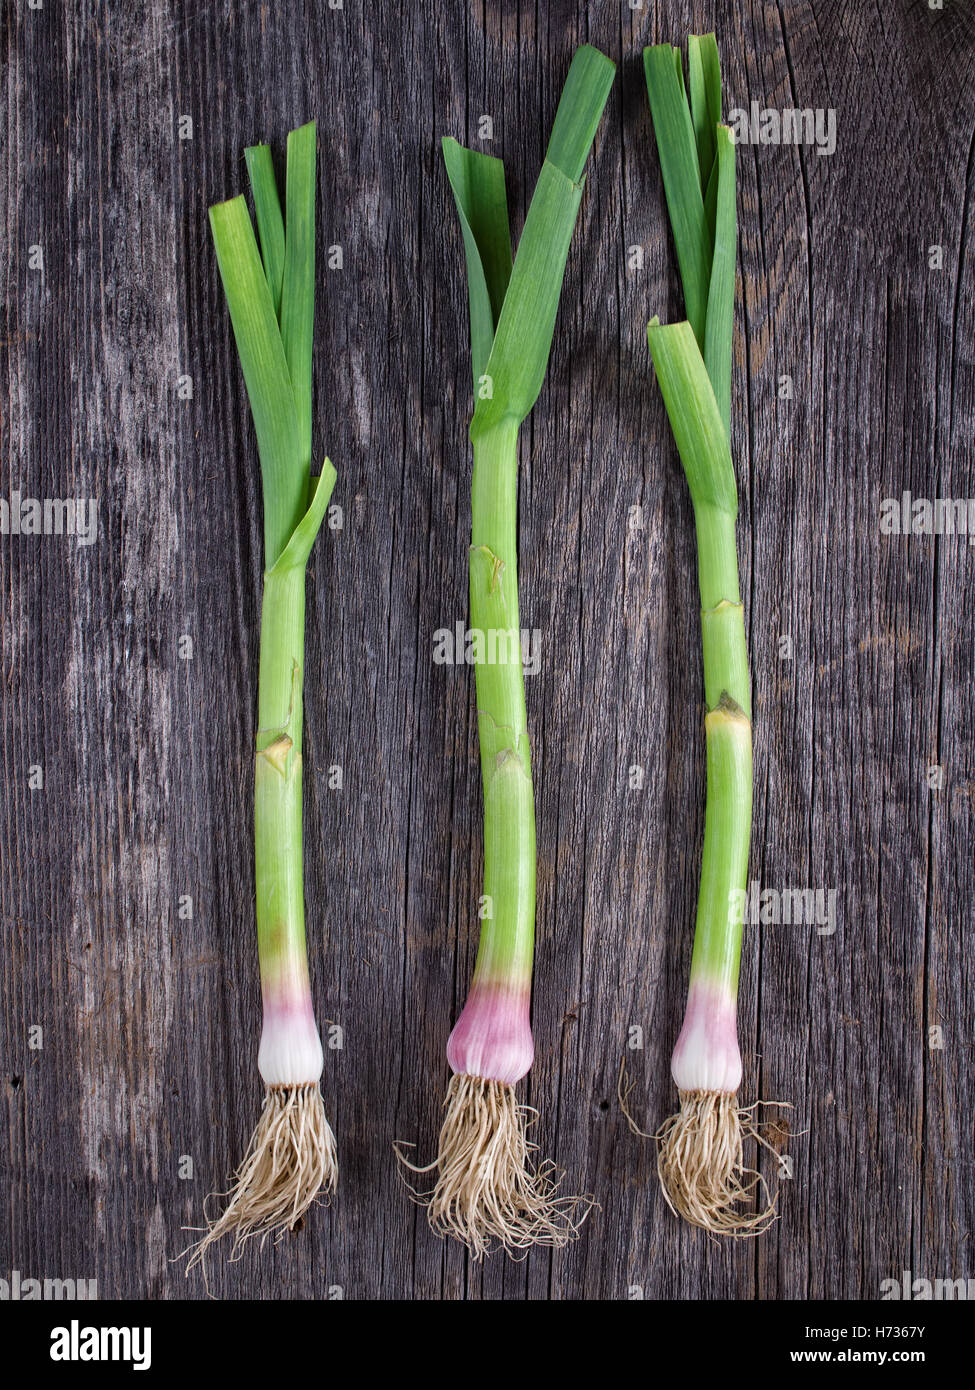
{"points": [[150, 1020]]}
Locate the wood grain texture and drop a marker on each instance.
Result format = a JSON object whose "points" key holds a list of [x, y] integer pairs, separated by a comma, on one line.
{"points": [[150, 1022]]}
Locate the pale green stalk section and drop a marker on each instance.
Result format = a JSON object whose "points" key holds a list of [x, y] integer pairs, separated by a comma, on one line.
{"points": [[277, 792], [507, 938], [724, 862]]}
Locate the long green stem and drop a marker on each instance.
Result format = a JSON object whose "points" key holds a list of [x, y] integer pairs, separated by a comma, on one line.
{"points": [[727, 694], [507, 934], [289, 1043], [724, 863], [493, 1036], [277, 799], [728, 732]]}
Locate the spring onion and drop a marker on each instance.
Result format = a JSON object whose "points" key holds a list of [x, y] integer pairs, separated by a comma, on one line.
{"points": [[291, 1157], [700, 1158], [488, 1186]]}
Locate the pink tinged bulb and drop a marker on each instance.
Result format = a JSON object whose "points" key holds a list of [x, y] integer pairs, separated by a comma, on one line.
{"points": [[291, 1050], [706, 1057], [493, 1037]]}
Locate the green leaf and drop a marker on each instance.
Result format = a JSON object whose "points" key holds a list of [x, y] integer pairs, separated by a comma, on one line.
{"points": [[516, 367], [679, 70], [296, 552], [519, 303], [703, 129], [719, 332], [711, 63], [704, 67], [695, 418], [270, 223], [679, 165], [266, 373], [298, 285], [580, 110], [523, 340], [477, 182], [711, 203]]}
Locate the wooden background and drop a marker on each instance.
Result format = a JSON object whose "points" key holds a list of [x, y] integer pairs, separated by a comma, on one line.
{"points": [[150, 1022]]}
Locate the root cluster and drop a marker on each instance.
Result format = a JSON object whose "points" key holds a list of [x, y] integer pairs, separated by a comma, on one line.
{"points": [[289, 1163], [488, 1186], [701, 1165]]}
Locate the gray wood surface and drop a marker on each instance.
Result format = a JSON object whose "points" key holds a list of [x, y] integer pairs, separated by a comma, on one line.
{"points": [[150, 1021]]}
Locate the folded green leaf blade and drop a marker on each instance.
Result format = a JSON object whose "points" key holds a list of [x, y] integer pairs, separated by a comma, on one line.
{"points": [[695, 418], [580, 110], [711, 205], [478, 186], [509, 365], [704, 83], [266, 373], [677, 147], [519, 356], [711, 64], [270, 223], [296, 552], [703, 126], [719, 332], [679, 72], [516, 367], [298, 284]]}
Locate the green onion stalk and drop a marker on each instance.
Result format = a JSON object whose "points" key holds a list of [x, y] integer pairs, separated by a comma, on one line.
{"points": [[700, 1157], [489, 1188], [291, 1158]]}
